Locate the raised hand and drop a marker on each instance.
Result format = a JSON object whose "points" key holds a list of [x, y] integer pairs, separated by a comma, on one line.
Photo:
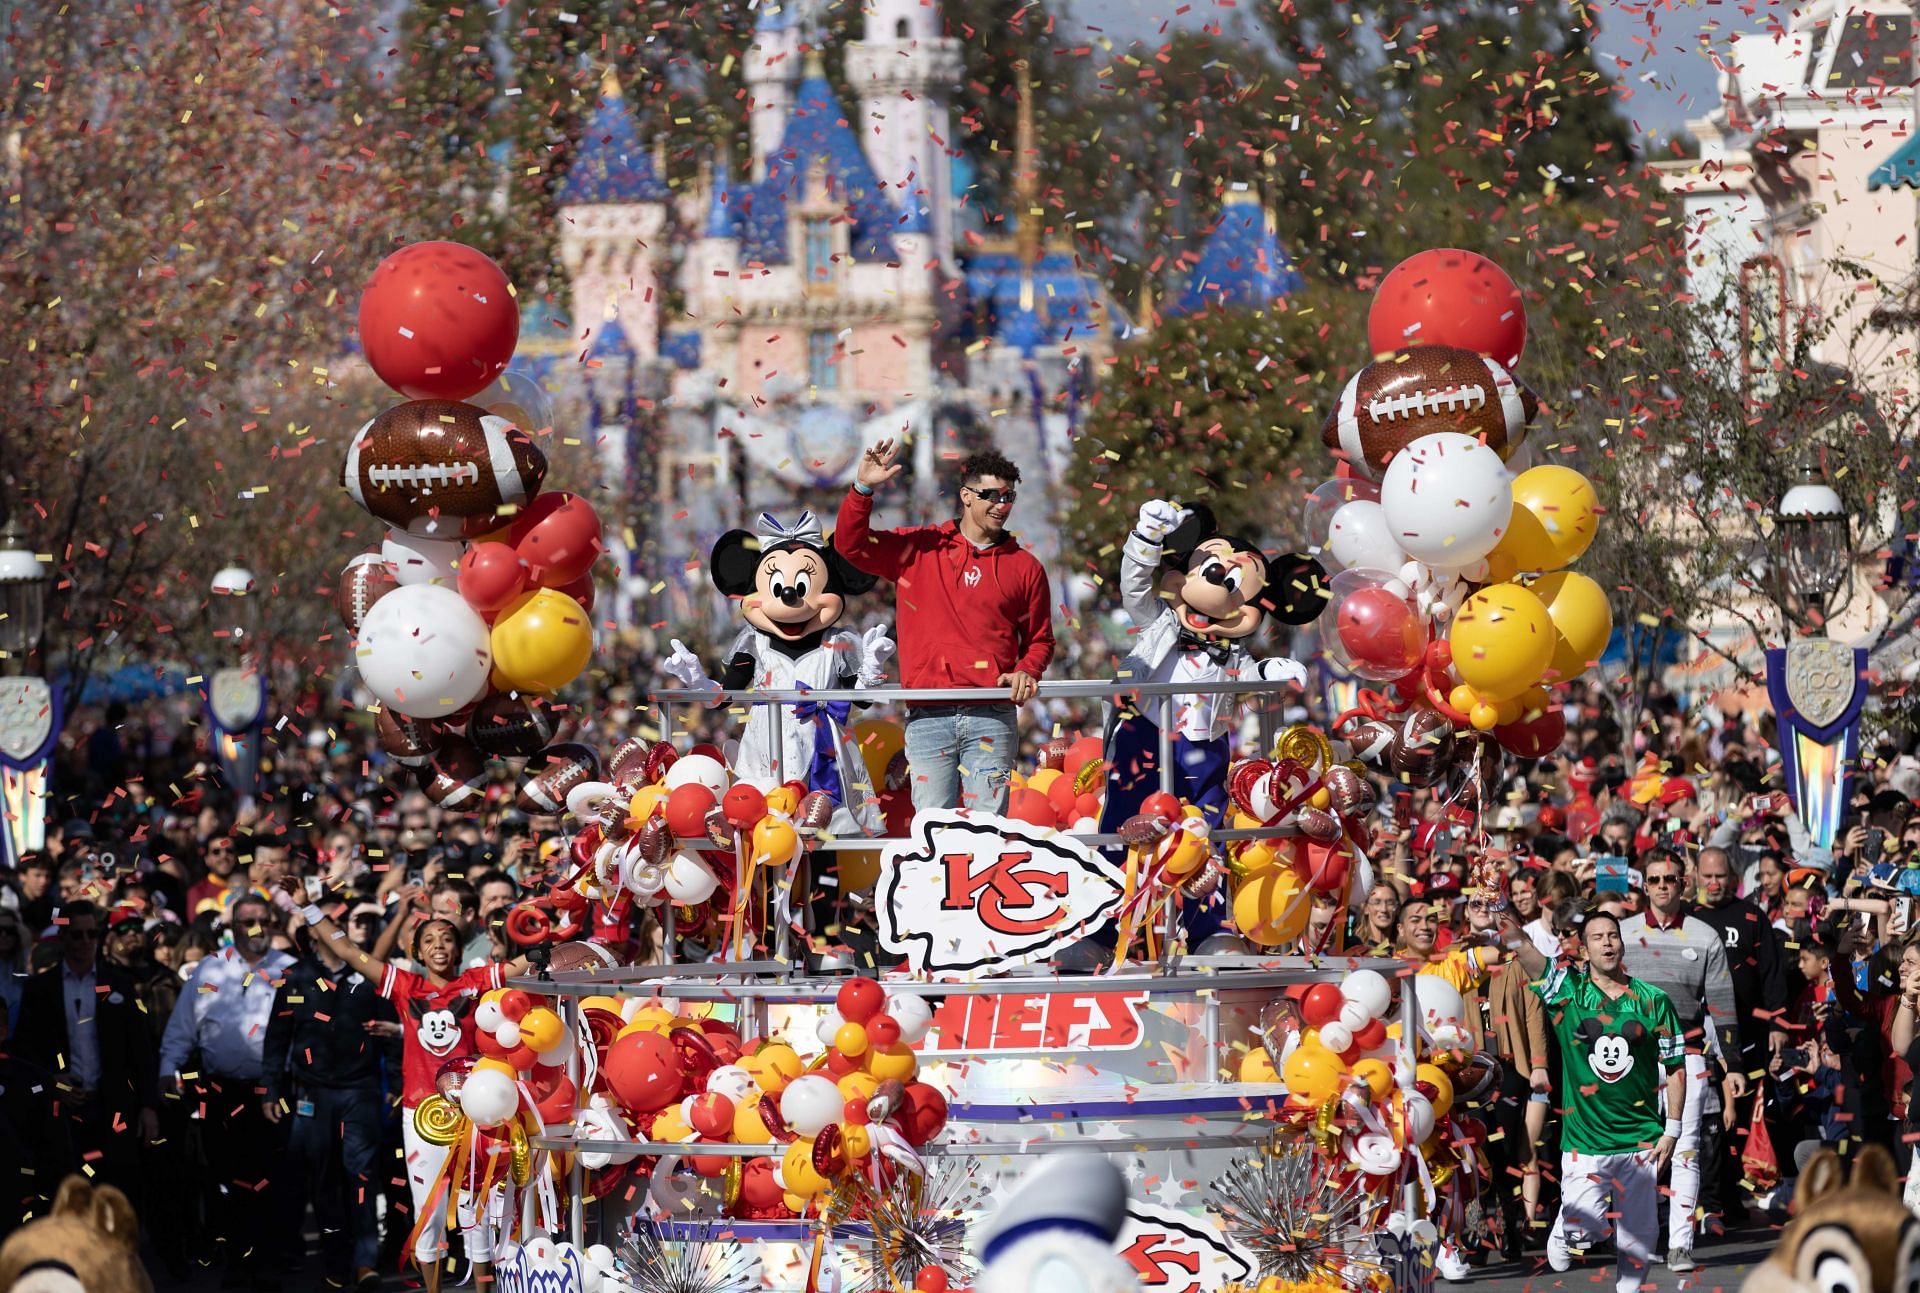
{"points": [[878, 465], [1159, 518], [876, 648], [684, 667]]}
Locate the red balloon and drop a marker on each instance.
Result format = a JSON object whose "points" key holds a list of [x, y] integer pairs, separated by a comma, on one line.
{"points": [[522, 1057], [1060, 795], [1025, 804], [1447, 297], [1322, 1004], [1327, 866], [711, 1166], [643, 1072], [839, 1065], [1160, 804], [437, 321], [859, 1000], [557, 1105], [581, 590], [514, 1004], [1534, 738], [1088, 749], [490, 576], [757, 1185], [855, 1113], [711, 1114], [1380, 630], [744, 805], [489, 1045], [923, 1113], [930, 1279], [1371, 1036], [687, 808], [1086, 805], [558, 536], [883, 1030]]}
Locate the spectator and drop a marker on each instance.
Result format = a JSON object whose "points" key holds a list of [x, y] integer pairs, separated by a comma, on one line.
{"points": [[35, 1153], [222, 863], [1380, 921], [455, 902], [156, 987], [321, 1068], [13, 961], [1684, 957], [80, 1020], [222, 1018], [37, 892], [973, 610]]}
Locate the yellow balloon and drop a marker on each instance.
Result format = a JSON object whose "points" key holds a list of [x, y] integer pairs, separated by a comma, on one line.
{"points": [[672, 1125], [541, 641], [1043, 780], [796, 1169], [859, 869], [1256, 857], [850, 1039], [1377, 1074], [1555, 516], [878, 740], [775, 843], [644, 803], [1582, 621], [772, 1065], [895, 1061], [856, 1141], [1271, 907], [493, 1063], [1312, 1072], [1503, 640], [858, 1086], [749, 1128], [1257, 1066], [541, 1029], [1442, 1084]]}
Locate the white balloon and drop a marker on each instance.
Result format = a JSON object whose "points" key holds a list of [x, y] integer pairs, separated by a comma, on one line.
{"points": [[1354, 1016], [689, 880], [1374, 1154], [489, 1097], [702, 769], [1419, 1111], [424, 652], [421, 561], [1336, 1037], [507, 1034], [828, 1027], [1359, 538], [589, 795], [731, 1081], [810, 1104], [558, 1052], [517, 396], [913, 1014], [1448, 498], [1368, 988], [1440, 1006], [644, 878], [487, 1017]]}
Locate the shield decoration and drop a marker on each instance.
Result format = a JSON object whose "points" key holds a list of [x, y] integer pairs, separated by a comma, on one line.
{"points": [[1821, 680], [236, 697], [26, 718]]}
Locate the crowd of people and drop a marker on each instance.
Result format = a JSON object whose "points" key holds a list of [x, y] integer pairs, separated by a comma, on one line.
{"points": [[225, 999]]}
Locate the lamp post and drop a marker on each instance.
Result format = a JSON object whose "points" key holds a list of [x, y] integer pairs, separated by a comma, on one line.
{"points": [[1814, 541], [236, 682], [29, 705]]}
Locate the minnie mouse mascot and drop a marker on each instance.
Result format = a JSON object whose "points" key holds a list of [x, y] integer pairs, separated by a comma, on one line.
{"points": [[1196, 597], [793, 588]]}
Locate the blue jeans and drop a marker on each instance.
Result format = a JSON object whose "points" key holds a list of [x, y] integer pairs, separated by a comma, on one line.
{"points": [[961, 756], [337, 1152]]}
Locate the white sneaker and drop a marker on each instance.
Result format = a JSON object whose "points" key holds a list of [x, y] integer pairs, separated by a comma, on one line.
{"points": [[1680, 1259], [1558, 1257], [1451, 1266]]}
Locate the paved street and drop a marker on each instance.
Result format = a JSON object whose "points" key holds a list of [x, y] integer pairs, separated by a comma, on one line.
{"points": [[1723, 1266]]}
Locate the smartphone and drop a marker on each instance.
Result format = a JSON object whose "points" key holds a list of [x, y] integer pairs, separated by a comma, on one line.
{"points": [[1875, 846], [1610, 873], [316, 889], [414, 876], [1900, 918], [1796, 1057]]}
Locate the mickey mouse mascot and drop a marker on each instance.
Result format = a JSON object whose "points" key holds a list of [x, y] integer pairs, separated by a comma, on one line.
{"points": [[793, 588], [1196, 597]]}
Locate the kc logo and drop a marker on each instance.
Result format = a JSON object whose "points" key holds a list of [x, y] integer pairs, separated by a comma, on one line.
{"points": [[1181, 1252], [972, 894]]}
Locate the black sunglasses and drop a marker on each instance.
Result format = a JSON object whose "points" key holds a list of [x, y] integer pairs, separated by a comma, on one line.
{"points": [[1663, 879], [994, 496]]}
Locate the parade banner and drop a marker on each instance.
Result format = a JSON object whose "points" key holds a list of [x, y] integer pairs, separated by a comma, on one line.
{"points": [[1818, 688], [237, 708], [30, 715], [970, 895], [1182, 1252]]}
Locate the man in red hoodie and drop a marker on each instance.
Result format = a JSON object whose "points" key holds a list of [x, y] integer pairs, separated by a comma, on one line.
{"points": [[972, 609]]}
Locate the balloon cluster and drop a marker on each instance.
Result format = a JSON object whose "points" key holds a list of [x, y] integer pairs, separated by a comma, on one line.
{"points": [[1450, 550], [1066, 791], [475, 608], [1339, 1057], [857, 1108], [1316, 810]]}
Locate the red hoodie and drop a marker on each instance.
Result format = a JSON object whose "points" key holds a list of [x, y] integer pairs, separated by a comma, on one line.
{"points": [[965, 615]]}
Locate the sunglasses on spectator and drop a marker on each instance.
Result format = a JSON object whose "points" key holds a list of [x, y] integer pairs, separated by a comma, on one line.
{"points": [[1663, 879], [994, 496]]}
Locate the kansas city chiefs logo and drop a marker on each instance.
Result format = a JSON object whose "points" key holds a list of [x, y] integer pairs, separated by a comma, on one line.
{"points": [[972, 894]]}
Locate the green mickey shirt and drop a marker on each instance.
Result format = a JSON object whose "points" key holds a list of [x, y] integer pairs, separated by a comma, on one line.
{"points": [[1613, 1053]]}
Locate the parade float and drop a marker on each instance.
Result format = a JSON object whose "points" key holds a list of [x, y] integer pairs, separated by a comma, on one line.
{"points": [[858, 1028]]}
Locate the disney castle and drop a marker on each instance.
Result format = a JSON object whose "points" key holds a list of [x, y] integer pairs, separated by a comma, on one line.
{"points": [[745, 338]]}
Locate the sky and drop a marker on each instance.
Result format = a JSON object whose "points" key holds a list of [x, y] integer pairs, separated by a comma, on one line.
{"points": [[1655, 48]]}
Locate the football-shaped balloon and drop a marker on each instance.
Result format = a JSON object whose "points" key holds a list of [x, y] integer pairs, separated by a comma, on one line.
{"points": [[442, 469], [514, 724], [437, 321], [365, 581], [558, 536], [491, 575], [551, 773], [1422, 748], [409, 741], [1392, 402], [1448, 297], [455, 775], [1370, 739], [629, 760], [583, 954]]}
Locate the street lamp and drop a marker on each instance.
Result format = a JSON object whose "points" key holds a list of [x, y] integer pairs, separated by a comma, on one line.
{"points": [[1815, 540], [23, 599]]}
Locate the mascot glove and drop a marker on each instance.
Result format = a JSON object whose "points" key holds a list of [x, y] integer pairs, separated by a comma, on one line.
{"points": [[684, 667], [1281, 669], [1159, 518], [876, 648]]}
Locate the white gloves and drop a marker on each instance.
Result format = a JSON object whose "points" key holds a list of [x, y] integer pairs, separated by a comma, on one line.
{"points": [[1159, 518], [1277, 668], [684, 667], [876, 648]]}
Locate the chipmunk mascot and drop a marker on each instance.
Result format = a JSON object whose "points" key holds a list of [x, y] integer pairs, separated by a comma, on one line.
{"points": [[1854, 1235], [89, 1243]]}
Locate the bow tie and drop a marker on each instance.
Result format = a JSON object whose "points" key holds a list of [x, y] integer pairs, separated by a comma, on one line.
{"points": [[806, 530], [1219, 652]]}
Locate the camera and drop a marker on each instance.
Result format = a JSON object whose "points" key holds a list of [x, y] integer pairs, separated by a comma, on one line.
{"points": [[1796, 1057]]}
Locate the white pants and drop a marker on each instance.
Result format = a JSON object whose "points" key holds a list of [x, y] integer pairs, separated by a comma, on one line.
{"points": [[1595, 1187], [1686, 1155], [478, 1226]]}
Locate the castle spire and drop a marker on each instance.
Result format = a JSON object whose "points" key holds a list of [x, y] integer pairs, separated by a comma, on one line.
{"points": [[1026, 187]]}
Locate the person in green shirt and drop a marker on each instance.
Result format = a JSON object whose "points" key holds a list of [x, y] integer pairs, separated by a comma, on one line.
{"points": [[1619, 1042]]}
